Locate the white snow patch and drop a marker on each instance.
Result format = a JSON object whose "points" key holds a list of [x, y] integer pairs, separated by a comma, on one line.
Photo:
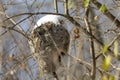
{"points": [[49, 18]]}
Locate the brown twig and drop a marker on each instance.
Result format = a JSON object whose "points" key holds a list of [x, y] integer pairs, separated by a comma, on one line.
{"points": [[115, 38], [16, 24], [55, 6], [91, 44], [21, 21], [22, 33], [66, 7]]}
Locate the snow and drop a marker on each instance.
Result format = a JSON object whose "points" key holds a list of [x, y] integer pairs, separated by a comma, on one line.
{"points": [[49, 18]]}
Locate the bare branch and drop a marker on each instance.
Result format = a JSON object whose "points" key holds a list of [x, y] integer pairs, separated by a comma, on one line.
{"points": [[66, 7], [55, 6], [92, 48], [117, 37]]}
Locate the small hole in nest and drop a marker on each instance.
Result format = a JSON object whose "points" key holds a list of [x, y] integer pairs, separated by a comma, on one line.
{"points": [[62, 53]]}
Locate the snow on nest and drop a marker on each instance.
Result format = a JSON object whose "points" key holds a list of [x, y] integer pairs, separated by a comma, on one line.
{"points": [[49, 18]]}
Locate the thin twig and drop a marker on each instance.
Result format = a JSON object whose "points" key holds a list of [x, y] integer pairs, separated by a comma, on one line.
{"points": [[66, 7], [16, 24], [117, 37], [55, 6], [21, 21], [91, 45], [22, 33], [13, 21]]}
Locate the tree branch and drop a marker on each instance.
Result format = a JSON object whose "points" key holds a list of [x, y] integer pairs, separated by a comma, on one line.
{"points": [[55, 6], [91, 45], [66, 7]]}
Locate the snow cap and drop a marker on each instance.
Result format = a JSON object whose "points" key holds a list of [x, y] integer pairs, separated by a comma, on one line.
{"points": [[49, 18]]}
